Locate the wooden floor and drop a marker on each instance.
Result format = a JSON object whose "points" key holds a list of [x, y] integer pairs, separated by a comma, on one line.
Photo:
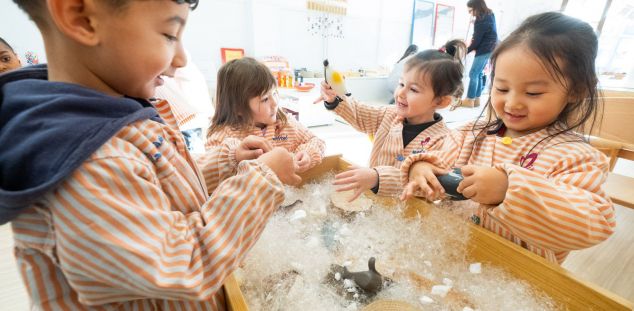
{"points": [[609, 264]]}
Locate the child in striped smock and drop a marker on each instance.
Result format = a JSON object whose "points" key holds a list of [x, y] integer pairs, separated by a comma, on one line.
{"points": [[247, 107], [430, 80], [530, 177], [108, 209]]}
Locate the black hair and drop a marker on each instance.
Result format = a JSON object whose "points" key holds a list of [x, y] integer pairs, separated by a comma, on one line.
{"points": [[411, 49], [443, 66], [567, 47], [479, 7], [35, 8], [7, 44]]}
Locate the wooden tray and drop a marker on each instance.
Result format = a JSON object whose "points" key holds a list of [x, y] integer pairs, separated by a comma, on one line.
{"points": [[487, 247]]}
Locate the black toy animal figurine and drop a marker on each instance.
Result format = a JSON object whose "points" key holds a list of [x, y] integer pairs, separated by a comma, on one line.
{"points": [[450, 183], [370, 281]]}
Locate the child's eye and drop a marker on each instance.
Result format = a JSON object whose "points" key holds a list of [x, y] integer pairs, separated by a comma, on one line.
{"points": [[533, 94], [501, 90], [414, 90], [170, 37], [6, 59]]}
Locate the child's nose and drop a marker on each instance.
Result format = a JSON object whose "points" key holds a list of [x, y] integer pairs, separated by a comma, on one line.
{"points": [[180, 58]]}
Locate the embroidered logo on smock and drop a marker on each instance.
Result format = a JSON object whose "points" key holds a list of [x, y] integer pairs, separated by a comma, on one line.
{"points": [[280, 138], [528, 160], [400, 158]]}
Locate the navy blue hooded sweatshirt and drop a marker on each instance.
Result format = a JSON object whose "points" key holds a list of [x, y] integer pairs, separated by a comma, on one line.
{"points": [[48, 129], [485, 35]]}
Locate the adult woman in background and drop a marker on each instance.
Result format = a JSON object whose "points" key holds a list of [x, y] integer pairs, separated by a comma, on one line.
{"points": [[483, 42]]}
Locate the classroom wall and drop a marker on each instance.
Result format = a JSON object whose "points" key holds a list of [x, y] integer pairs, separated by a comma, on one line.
{"points": [[376, 32]]}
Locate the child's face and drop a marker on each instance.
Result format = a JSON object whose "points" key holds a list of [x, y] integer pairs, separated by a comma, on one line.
{"points": [[138, 46], [525, 95], [264, 108], [8, 59], [414, 98]]}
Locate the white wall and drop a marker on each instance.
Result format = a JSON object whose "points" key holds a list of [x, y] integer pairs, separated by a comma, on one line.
{"points": [[376, 32]]}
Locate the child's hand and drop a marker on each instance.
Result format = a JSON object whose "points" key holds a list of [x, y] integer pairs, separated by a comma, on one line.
{"points": [[252, 147], [422, 176], [327, 94], [358, 179], [302, 161], [283, 165], [485, 185]]}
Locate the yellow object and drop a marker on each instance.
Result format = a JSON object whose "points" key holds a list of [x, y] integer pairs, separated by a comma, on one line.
{"points": [[507, 140], [335, 79]]}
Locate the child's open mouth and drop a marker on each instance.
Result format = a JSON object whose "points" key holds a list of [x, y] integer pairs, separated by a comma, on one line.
{"points": [[514, 117], [159, 81]]}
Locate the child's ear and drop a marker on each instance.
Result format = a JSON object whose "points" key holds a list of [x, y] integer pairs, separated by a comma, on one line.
{"points": [[443, 101], [75, 19]]}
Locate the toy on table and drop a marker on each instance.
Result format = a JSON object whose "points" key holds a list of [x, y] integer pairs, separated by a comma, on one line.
{"points": [[450, 183]]}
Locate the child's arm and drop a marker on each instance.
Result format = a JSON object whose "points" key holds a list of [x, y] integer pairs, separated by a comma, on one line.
{"points": [[223, 154], [363, 118], [415, 177], [309, 143], [117, 228], [565, 210]]}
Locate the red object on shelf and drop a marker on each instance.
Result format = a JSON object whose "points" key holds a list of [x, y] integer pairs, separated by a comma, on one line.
{"points": [[306, 87], [227, 54]]}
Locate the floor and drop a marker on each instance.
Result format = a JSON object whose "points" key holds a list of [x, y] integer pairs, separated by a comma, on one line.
{"points": [[609, 264]]}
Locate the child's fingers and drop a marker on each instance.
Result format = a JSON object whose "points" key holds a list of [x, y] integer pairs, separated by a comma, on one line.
{"points": [[355, 195], [425, 189], [470, 191], [347, 187], [320, 99], [468, 170], [344, 174], [432, 180], [345, 181], [293, 180], [465, 183], [407, 191]]}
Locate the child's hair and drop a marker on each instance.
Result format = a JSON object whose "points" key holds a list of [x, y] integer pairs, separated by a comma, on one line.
{"points": [[239, 81], [443, 67], [567, 47], [35, 8], [7, 45], [411, 49], [479, 7]]}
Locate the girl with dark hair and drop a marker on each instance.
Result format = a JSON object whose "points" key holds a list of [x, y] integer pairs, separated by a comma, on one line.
{"points": [[8, 59], [247, 105], [430, 81], [483, 42], [530, 176]]}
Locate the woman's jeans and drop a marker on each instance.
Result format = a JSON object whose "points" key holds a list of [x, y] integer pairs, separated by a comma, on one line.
{"points": [[476, 81]]}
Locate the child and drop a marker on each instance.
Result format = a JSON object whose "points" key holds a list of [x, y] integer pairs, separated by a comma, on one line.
{"points": [[429, 81], [535, 180], [108, 209], [247, 104], [8, 59]]}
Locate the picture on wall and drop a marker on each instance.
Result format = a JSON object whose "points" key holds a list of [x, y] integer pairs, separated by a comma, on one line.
{"points": [[422, 33]]}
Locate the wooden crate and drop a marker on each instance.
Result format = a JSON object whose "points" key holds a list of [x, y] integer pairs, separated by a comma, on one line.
{"points": [[487, 247]]}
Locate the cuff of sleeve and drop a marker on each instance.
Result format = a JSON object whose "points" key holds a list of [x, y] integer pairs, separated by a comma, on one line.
{"points": [[266, 171], [334, 104], [232, 146], [375, 189], [411, 159]]}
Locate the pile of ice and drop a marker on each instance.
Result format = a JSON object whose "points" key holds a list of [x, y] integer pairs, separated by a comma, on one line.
{"points": [[289, 267]]}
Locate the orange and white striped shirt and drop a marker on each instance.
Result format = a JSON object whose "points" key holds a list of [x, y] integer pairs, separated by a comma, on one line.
{"points": [[133, 228], [293, 137], [554, 202], [384, 124]]}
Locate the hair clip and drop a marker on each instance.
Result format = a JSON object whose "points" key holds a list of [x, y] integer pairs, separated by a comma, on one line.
{"points": [[442, 50]]}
